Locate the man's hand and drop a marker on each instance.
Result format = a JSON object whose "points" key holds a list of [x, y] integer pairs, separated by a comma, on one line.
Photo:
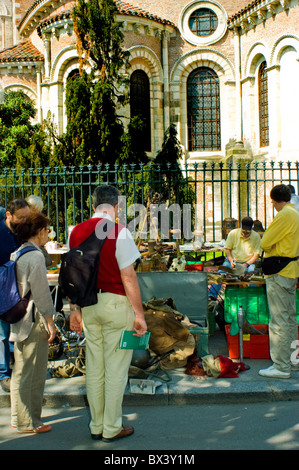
{"points": [[76, 323], [140, 326], [232, 262], [130, 282], [51, 328]]}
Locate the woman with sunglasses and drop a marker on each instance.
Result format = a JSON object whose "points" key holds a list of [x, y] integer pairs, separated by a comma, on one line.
{"points": [[34, 332]]}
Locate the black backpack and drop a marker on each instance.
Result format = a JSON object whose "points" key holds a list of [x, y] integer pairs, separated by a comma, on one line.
{"points": [[79, 268]]}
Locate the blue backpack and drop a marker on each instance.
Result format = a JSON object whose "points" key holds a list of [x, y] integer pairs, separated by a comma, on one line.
{"points": [[12, 306]]}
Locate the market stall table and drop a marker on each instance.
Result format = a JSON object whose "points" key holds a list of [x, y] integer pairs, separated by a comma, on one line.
{"points": [[189, 249], [53, 284], [55, 253]]}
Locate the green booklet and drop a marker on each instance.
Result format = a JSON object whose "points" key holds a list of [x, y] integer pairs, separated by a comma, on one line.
{"points": [[129, 341]]}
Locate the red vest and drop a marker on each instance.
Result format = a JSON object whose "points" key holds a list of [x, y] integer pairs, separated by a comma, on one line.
{"points": [[109, 279]]}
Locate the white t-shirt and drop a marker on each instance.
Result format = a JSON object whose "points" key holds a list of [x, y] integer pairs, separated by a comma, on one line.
{"points": [[126, 250], [295, 200]]}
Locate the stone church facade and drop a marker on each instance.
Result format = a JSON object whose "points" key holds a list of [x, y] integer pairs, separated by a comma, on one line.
{"points": [[225, 72]]}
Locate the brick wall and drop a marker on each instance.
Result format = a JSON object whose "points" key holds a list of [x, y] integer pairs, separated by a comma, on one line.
{"points": [[285, 23]]}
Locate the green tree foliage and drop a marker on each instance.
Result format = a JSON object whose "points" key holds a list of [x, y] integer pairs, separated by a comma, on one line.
{"points": [[107, 129], [100, 39], [168, 164], [22, 144], [171, 151], [95, 133], [133, 143], [78, 137]]}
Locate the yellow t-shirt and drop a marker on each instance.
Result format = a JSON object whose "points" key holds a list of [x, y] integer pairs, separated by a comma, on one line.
{"points": [[282, 239], [242, 249]]}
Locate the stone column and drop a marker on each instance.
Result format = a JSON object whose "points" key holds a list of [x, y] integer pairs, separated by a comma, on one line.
{"points": [[165, 66], [273, 74], [47, 44], [237, 41]]}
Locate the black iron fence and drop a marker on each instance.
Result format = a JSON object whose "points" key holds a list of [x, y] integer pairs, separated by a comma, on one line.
{"points": [[204, 193]]}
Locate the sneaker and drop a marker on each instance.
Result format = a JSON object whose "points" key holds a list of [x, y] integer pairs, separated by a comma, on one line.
{"points": [[5, 384], [272, 372]]}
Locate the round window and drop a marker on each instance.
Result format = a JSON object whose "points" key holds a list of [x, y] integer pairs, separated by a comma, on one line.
{"points": [[203, 22]]}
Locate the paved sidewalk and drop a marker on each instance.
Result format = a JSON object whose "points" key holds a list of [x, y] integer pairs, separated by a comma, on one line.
{"points": [[184, 389]]}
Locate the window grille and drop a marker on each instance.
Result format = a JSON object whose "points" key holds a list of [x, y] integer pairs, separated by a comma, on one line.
{"points": [[140, 103], [263, 105], [203, 22], [203, 108], [73, 74]]}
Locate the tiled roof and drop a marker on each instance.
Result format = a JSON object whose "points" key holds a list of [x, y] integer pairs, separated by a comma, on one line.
{"points": [[123, 7], [25, 51], [244, 10], [127, 9]]}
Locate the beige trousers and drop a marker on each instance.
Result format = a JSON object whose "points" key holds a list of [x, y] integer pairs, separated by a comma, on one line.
{"points": [[106, 365], [28, 378], [283, 329]]}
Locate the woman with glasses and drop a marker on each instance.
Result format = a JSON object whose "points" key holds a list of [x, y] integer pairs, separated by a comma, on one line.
{"points": [[34, 332]]}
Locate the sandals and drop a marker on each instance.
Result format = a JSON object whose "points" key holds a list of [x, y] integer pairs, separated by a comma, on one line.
{"points": [[41, 429]]}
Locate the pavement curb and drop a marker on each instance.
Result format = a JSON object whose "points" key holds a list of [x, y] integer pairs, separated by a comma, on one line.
{"points": [[72, 392], [183, 389]]}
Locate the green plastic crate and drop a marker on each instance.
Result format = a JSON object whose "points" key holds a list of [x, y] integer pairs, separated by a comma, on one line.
{"points": [[254, 302]]}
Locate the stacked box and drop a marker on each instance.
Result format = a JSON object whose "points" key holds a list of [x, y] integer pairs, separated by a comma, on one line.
{"points": [[254, 346]]}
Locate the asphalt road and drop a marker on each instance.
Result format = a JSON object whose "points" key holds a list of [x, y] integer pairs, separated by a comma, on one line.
{"points": [[254, 426]]}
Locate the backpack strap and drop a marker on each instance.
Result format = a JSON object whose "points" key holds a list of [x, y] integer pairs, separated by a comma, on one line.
{"points": [[25, 250]]}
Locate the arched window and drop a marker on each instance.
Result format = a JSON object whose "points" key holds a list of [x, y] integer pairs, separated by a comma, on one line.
{"points": [[203, 108], [140, 103], [73, 74], [263, 105]]}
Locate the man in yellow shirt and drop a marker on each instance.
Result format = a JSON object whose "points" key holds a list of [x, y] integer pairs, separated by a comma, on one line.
{"points": [[242, 246], [282, 239]]}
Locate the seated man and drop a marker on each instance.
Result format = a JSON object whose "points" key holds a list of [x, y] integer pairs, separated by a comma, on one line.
{"points": [[242, 246]]}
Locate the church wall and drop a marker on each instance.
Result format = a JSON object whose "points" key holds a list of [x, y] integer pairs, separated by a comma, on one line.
{"points": [[277, 42]]}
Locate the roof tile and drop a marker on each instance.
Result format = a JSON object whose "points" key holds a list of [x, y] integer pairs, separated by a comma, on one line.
{"points": [[25, 51]]}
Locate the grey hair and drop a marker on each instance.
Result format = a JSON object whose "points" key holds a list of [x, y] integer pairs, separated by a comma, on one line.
{"points": [[105, 195], [35, 202]]}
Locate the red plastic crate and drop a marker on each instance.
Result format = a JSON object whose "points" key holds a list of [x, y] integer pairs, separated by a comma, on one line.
{"points": [[254, 346], [194, 267]]}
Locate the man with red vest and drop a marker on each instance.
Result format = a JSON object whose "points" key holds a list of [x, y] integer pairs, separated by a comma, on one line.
{"points": [[119, 308]]}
